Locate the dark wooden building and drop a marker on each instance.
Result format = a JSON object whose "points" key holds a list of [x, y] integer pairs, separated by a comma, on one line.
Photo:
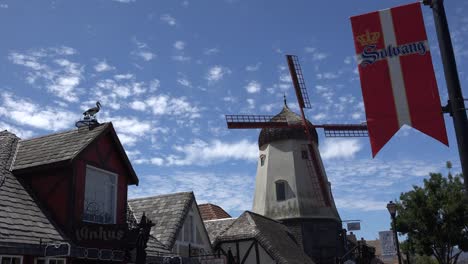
{"points": [[63, 198]]}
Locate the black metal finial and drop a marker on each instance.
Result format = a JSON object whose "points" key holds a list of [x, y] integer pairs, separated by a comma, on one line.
{"points": [[284, 99]]}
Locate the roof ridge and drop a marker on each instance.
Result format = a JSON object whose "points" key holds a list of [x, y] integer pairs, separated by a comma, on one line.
{"points": [[262, 216], [61, 132], [221, 219], [162, 195]]}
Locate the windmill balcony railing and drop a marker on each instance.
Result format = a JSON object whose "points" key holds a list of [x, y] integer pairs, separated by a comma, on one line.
{"points": [[255, 121]]}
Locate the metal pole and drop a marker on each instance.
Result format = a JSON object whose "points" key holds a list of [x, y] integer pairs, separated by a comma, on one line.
{"points": [[396, 239], [456, 102]]}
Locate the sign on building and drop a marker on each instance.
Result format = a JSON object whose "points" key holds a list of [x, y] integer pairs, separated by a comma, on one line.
{"points": [[354, 226], [387, 243]]}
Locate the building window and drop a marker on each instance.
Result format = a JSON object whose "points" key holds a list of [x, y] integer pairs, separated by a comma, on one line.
{"points": [[50, 261], [11, 259], [262, 160], [100, 196], [305, 155], [280, 190]]}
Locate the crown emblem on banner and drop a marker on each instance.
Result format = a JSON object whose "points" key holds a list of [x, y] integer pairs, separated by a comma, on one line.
{"points": [[368, 38]]}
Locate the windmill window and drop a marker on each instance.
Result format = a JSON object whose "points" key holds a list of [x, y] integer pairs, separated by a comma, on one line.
{"points": [[262, 160], [280, 190], [305, 155], [100, 196]]}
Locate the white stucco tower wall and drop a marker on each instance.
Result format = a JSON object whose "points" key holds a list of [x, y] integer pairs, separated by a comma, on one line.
{"points": [[288, 162], [287, 189]]}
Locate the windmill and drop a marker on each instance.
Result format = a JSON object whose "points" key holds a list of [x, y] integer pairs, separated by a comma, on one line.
{"points": [[270, 121]]}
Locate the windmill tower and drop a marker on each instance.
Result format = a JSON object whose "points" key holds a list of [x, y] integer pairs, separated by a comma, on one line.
{"points": [[291, 182]]}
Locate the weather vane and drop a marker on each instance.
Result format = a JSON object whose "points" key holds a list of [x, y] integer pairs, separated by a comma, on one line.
{"points": [[89, 117]]}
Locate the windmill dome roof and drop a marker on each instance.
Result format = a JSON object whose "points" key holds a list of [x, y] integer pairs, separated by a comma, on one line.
{"points": [[268, 135]]}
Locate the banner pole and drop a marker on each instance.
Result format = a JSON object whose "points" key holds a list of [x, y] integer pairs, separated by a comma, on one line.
{"points": [[456, 104]]}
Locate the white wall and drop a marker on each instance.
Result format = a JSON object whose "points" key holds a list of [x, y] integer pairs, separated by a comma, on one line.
{"points": [[197, 238], [303, 194]]}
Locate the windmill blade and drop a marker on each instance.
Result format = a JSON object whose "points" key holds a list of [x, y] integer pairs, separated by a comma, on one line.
{"points": [[298, 81], [344, 130], [255, 121]]}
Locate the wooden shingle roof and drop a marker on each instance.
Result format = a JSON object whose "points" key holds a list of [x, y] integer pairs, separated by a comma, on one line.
{"points": [[21, 219], [217, 226], [63, 147], [167, 212], [273, 236]]}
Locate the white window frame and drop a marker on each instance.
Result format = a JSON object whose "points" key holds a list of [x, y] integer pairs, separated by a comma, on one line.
{"points": [[11, 256], [47, 259], [114, 220]]}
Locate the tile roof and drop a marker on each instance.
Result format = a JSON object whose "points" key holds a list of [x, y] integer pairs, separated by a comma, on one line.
{"points": [[217, 226], [21, 219], [273, 236], [62, 147], [211, 211], [166, 211]]}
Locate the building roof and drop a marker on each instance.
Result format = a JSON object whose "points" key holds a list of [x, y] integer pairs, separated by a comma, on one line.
{"points": [[211, 211], [167, 212], [63, 147], [273, 236], [21, 219], [217, 226], [268, 135]]}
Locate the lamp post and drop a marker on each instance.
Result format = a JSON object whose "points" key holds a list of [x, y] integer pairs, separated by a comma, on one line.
{"points": [[392, 210]]}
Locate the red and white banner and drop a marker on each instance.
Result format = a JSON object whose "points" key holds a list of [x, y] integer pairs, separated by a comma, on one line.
{"points": [[397, 76]]}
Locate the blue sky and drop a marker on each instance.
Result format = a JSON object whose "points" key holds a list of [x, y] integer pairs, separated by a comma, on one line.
{"points": [[167, 71]]}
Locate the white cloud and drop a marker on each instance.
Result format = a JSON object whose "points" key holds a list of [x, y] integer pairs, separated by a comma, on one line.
{"points": [[143, 51], [21, 133], [127, 76], [103, 66], [146, 55], [203, 153], [310, 49], [181, 58], [217, 73], [319, 116], [184, 82], [253, 87], [59, 75], [168, 19], [179, 45], [211, 51], [252, 68], [234, 192], [3, 5], [319, 56], [130, 129], [166, 105], [327, 75], [27, 113], [269, 107], [251, 103], [340, 148], [138, 105], [124, 1]]}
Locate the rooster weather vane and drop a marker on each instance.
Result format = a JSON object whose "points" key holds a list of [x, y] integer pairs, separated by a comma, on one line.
{"points": [[89, 117]]}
